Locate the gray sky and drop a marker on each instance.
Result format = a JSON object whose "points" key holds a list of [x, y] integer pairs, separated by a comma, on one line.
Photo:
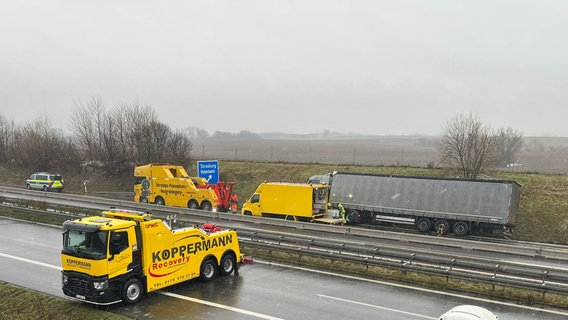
{"points": [[371, 67]]}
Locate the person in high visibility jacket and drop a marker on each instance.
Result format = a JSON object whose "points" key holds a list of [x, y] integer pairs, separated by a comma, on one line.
{"points": [[341, 211], [234, 202]]}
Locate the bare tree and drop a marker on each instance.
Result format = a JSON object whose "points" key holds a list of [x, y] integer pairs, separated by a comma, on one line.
{"points": [[179, 147], [510, 142], [469, 145], [7, 129], [197, 133], [87, 125]]}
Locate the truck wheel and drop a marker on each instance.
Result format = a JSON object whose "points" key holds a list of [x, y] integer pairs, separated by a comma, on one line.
{"points": [[206, 206], [461, 228], [192, 204], [441, 226], [228, 263], [247, 213], [424, 224], [132, 291], [143, 200], [160, 201], [208, 270]]}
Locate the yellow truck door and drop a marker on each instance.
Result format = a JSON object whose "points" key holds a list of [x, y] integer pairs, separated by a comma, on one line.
{"points": [[121, 255]]}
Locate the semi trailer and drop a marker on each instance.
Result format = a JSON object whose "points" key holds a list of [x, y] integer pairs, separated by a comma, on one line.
{"points": [[431, 204]]}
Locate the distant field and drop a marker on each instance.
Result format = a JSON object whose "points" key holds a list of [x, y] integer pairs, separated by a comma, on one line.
{"points": [[546, 155]]}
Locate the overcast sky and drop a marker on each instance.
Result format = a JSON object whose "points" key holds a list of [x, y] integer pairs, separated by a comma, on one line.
{"points": [[370, 67]]}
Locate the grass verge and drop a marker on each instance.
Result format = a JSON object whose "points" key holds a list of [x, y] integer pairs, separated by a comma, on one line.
{"points": [[17, 303]]}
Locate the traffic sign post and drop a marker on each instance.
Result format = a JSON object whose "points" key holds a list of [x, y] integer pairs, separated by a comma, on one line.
{"points": [[209, 170]]}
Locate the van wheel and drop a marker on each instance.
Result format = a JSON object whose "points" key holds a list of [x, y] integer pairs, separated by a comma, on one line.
{"points": [[192, 204], [160, 201], [45, 188], [29, 187], [228, 264], [132, 291], [208, 270], [206, 206]]}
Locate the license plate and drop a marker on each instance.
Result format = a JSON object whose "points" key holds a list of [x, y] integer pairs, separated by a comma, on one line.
{"points": [[78, 296]]}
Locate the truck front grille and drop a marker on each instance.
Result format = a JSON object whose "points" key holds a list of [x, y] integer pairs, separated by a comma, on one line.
{"points": [[79, 286]]}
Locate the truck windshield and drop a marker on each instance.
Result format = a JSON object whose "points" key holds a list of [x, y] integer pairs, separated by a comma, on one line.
{"points": [[92, 245]]}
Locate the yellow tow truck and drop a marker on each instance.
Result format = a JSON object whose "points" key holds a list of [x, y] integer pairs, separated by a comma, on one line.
{"points": [[123, 254]]}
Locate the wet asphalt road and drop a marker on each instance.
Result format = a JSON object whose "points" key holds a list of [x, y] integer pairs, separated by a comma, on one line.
{"points": [[29, 257]]}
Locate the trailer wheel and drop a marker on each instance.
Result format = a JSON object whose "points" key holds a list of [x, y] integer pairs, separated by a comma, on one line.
{"points": [[160, 201], [461, 228], [132, 291], [424, 224], [228, 263], [206, 205], [442, 226], [208, 270], [192, 204]]}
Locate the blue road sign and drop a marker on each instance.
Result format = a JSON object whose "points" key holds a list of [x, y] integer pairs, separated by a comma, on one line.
{"points": [[208, 170]]}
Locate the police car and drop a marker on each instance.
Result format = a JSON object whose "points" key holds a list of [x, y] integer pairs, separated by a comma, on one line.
{"points": [[45, 181]]}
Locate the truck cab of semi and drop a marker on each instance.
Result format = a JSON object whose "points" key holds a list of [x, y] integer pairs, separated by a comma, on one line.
{"points": [[290, 201]]}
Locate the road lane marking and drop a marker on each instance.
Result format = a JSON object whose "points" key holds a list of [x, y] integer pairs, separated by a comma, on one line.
{"points": [[377, 307], [29, 261], [316, 271], [385, 283], [221, 306], [174, 295]]}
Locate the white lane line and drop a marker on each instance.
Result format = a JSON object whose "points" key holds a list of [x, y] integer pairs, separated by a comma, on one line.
{"points": [[378, 307], [213, 304], [221, 306], [29, 261], [563, 313]]}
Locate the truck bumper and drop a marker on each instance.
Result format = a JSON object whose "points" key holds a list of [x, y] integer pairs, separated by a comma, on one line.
{"points": [[80, 287]]}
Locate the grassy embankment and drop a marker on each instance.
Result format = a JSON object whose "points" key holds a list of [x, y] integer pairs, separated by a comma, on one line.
{"points": [[22, 304]]}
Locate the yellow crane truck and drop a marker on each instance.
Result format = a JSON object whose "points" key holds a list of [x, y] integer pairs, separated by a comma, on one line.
{"points": [[122, 254], [290, 201], [169, 184]]}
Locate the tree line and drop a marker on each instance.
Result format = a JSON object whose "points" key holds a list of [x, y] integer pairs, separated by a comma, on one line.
{"points": [[114, 140]]}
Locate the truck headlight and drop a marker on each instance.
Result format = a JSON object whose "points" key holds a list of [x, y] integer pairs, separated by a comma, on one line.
{"points": [[64, 279], [100, 285]]}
